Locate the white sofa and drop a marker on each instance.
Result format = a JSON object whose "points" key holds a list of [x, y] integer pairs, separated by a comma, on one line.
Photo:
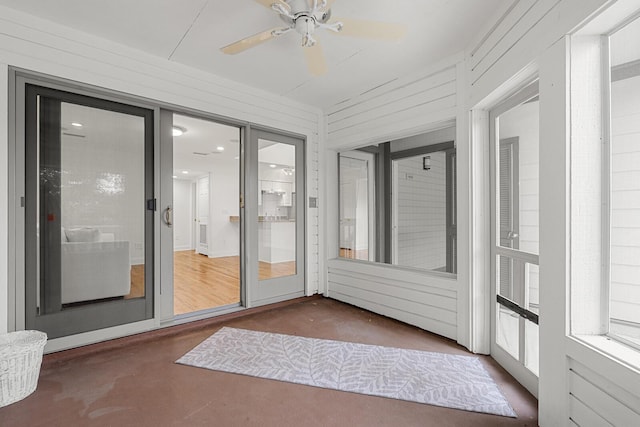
{"points": [[94, 265]]}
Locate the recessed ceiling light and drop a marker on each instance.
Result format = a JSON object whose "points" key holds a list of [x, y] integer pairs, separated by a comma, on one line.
{"points": [[220, 148], [185, 172], [178, 130], [175, 176], [76, 124], [272, 166]]}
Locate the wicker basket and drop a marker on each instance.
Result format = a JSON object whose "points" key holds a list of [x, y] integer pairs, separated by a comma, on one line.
{"points": [[20, 359]]}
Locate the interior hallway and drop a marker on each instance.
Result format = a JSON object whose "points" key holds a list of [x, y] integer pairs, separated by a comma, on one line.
{"points": [[135, 382]]}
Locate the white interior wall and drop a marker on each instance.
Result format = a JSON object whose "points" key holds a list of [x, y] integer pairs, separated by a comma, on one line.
{"points": [[223, 198], [182, 215], [102, 180], [44, 47]]}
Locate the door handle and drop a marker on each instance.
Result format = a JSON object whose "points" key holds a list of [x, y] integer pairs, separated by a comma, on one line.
{"points": [[168, 216], [512, 235]]}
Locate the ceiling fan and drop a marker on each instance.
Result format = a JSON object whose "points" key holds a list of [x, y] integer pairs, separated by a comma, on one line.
{"points": [[305, 17]]}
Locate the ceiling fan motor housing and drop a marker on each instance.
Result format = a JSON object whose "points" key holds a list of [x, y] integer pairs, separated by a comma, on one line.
{"points": [[305, 25]]}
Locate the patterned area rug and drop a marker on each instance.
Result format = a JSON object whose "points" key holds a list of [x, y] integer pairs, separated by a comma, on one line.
{"points": [[439, 379]]}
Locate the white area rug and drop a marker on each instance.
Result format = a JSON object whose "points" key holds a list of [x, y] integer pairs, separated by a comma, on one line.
{"points": [[440, 379]]}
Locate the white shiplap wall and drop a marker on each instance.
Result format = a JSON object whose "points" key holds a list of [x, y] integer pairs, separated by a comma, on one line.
{"points": [[422, 212], [521, 34], [427, 302], [38, 45], [401, 108]]}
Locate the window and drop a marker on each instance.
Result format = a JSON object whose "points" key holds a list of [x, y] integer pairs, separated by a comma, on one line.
{"points": [[622, 186], [398, 202]]}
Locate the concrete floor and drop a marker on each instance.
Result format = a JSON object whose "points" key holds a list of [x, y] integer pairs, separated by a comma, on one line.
{"points": [[137, 383]]}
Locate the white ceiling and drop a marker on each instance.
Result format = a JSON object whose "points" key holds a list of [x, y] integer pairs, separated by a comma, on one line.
{"points": [[192, 32]]}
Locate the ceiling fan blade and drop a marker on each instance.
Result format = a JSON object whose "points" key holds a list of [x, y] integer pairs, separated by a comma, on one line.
{"points": [[371, 29], [268, 3], [327, 7], [316, 63], [251, 41]]}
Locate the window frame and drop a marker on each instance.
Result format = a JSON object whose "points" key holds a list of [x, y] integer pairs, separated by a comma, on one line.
{"points": [[383, 163], [623, 71]]}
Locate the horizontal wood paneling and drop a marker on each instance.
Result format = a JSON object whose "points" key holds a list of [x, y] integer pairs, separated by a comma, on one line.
{"points": [[584, 416], [401, 107], [597, 401], [525, 31], [421, 299]]}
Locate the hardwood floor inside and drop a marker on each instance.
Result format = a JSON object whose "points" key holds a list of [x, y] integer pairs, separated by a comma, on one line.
{"points": [[362, 254], [201, 282]]}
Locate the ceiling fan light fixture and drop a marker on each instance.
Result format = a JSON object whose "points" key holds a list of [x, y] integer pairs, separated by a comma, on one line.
{"points": [[178, 130]]}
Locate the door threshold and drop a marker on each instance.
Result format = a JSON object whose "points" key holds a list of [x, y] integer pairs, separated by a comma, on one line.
{"points": [[207, 313], [165, 331]]}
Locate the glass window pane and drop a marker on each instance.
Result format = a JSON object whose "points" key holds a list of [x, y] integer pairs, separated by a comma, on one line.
{"points": [[505, 272], [355, 206], [508, 330], [276, 209], [625, 183], [421, 232], [100, 237], [531, 347], [532, 288], [518, 177]]}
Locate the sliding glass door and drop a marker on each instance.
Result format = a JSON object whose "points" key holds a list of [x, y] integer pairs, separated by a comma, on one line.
{"points": [[88, 212], [232, 234]]}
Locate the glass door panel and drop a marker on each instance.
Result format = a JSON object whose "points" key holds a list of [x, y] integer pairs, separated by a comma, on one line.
{"points": [[275, 234], [276, 209], [88, 260]]}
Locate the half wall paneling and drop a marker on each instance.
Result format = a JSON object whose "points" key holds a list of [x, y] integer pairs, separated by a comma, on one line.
{"points": [[404, 295]]}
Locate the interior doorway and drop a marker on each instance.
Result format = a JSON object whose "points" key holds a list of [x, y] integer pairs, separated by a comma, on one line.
{"points": [[205, 216]]}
